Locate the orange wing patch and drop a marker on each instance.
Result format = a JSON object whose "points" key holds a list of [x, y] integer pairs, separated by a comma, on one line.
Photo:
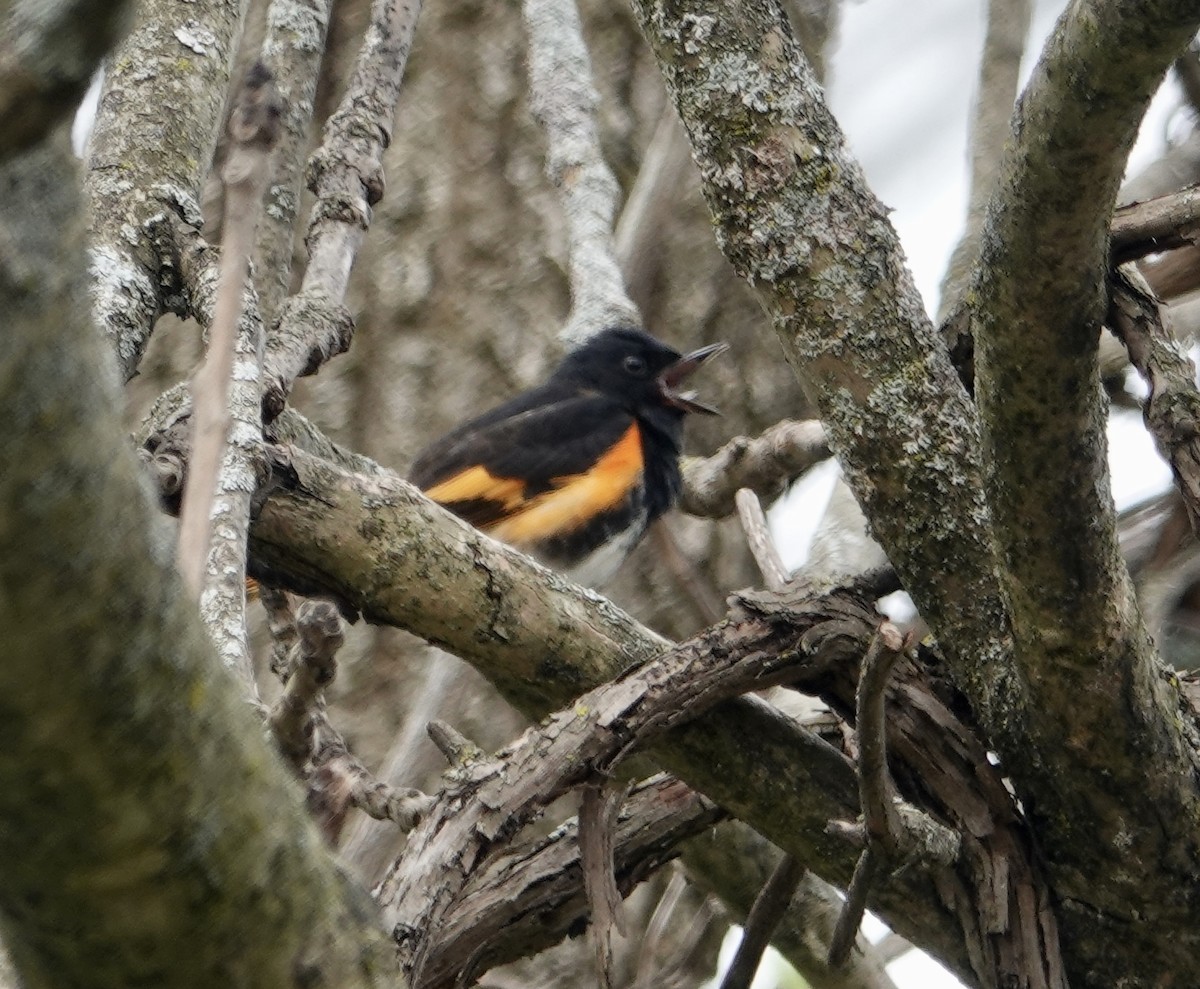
{"points": [[577, 498], [477, 483]]}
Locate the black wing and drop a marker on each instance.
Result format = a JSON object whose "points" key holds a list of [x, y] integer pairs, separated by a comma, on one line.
{"points": [[488, 469]]}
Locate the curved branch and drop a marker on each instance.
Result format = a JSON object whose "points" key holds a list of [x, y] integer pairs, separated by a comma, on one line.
{"points": [[1101, 769]]}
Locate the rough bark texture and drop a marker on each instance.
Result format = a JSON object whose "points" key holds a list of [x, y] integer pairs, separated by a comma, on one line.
{"points": [[1109, 764], [774, 165], [136, 790], [144, 165]]}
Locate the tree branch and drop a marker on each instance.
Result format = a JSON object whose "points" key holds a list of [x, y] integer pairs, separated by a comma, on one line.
{"points": [[178, 57], [384, 550], [1038, 302], [110, 687], [346, 174], [563, 100], [1172, 409], [766, 464], [1155, 225], [292, 49], [530, 897]]}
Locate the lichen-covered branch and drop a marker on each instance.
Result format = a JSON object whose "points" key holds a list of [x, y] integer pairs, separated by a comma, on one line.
{"points": [[1101, 769], [144, 166], [383, 550], [214, 514], [292, 49], [563, 100], [346, 174], [136, 789]]}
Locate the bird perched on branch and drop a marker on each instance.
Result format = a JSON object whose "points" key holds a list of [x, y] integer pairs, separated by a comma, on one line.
{"points": [[574, 470]]}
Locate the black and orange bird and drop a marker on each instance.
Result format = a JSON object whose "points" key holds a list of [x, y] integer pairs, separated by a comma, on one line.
{"points": [[574, 470]]}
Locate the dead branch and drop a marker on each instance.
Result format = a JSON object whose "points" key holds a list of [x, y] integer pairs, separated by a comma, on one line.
{"points": [[766, 464], [311, 668], [532, 895], [253, 128], [888, 834], [1172, 410], [758, 536], [346, 174], [768, 910], [1155, 225], [497, 797]]}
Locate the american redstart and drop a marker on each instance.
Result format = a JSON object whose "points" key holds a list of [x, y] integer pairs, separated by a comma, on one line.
{"points": [[574, 470]]}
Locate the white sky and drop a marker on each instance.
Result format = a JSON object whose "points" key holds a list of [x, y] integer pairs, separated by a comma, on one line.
{"points": [[901, 84]]}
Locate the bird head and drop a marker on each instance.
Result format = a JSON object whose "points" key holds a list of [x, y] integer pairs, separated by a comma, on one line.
{"points": [[638, 370]]}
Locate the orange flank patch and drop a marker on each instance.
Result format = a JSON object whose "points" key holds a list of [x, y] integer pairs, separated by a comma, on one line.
{"points": [[577, 498], [477, 483]]}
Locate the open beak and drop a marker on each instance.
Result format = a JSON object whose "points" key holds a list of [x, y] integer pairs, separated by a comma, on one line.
{"points": [[675, 375]]}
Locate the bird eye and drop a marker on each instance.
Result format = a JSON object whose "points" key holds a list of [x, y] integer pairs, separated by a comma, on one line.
{"points": [[635, 365]]}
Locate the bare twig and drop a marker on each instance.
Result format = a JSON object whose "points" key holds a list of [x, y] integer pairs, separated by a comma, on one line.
{"points": [[1172, 410], [1156, 225], [339, 780], [999, 76], [639, 228], [281, 623], [768, 909], [563, 100], [346, 173], [598, 809], [758, 536], [876, 789], [312, 669], [853, 909], [292, 48], [766, 464], [888, 833], [253, 128]]}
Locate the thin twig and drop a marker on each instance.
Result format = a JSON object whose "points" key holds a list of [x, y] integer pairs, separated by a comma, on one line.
{"points": [[639, 229], [253, 128], [292, 48], [758, 537], [876, 790], [889, 829], [846, 931], [598, 808], [339, 780], [563, 101], [769, 907]]}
